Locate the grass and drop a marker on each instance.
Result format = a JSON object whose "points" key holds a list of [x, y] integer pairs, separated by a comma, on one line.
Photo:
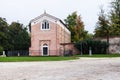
{"points": [[47, 58], [29, 59], [100, 55]]}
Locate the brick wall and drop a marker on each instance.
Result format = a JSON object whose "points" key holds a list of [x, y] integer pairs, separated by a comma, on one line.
{"points": [[52, 38]]}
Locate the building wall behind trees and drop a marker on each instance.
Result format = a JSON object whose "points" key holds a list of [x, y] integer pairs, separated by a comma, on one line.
{"points": [[114, 44]]}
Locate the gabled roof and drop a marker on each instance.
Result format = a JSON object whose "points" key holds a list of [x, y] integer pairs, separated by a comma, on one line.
{"points": [[44, 14], [48, 15]]}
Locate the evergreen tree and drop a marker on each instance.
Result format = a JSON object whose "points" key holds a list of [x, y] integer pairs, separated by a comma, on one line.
{"points": [[109, 25], [20, 38], [115, 18], [4, 36], [102, 29]]}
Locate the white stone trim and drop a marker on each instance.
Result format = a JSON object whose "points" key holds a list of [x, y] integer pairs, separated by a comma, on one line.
{"points": [[41, 19], [42, 50], [50, 20], [41, 26]]}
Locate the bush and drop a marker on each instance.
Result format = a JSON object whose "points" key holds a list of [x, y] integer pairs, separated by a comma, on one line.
{"points": [[1, 50], [97, 47]]}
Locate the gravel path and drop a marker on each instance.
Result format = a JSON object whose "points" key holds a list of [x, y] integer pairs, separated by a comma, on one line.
{"points": [[81, 69]]}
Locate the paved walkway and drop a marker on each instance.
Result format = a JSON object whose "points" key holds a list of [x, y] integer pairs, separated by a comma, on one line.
{"points": [[81, 69]]}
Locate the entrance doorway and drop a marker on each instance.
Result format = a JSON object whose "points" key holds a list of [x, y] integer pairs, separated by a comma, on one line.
{"points": [[45, 50]]}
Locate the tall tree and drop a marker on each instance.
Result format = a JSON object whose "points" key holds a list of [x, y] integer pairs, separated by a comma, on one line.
{"points": [[76, 26], [102, 29], [110, 23], [79, 29], [115, 18], [101, 26], [4, 36], [20, 38], [71, 22]]}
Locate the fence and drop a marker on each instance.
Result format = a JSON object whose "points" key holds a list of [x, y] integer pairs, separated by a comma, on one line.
{"points": [[17, 53], [39, 53], [51, 53]]}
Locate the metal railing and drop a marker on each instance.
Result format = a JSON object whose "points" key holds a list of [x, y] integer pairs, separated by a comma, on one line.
{"points": [[51, 53], [17, 53], [39, 53]]}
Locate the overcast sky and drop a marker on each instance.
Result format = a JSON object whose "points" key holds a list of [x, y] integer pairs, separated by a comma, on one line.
{"points": [[25, 10]]}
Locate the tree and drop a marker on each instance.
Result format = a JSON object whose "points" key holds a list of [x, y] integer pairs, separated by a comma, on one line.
{"points": [[19, 36], [109, 25], [102, 29], [76, 26], [115, 18], [89, 36], [97, 47], [112, 20], [102, 25], [1, 50], [13, 37], [4, 36], [71, 22], [79, 29]]}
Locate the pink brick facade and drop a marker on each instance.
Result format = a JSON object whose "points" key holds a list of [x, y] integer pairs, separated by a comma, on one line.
{"points": [[46, 42]]}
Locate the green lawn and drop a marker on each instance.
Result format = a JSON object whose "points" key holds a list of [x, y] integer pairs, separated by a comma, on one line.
{"points": [[27, 59], [47, 58], [100, 55]]}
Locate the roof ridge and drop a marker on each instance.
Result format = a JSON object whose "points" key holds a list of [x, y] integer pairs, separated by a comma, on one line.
{"points": [[45, 14]]}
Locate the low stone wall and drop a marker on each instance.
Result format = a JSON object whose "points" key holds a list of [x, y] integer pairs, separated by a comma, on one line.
{"points": [[114, 44]]}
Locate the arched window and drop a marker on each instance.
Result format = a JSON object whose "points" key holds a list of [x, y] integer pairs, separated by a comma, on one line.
{"points": [[45, 25], [45, 44]]}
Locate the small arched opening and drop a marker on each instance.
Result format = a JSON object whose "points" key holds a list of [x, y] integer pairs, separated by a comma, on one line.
{"points": [[45, 50]]}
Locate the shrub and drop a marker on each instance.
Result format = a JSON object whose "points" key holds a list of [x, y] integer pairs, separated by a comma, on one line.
{"points": [[97, 47], [1, 50]]}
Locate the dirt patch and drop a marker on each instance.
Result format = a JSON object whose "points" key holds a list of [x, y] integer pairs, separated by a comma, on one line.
{"points": [[81, 69]]}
